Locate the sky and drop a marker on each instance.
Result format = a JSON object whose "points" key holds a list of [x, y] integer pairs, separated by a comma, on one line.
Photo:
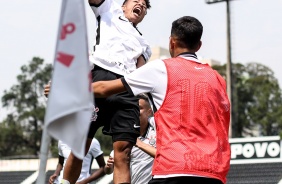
{"points": [[29, 28]]}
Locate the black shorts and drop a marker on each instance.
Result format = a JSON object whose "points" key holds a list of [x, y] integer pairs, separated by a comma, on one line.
{"points": [[117, 114], [186, 180]]}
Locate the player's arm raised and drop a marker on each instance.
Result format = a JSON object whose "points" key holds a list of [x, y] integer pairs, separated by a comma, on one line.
{"points": [[140, 61], [96, 2]]}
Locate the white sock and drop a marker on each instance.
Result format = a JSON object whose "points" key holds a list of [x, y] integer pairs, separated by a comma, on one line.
{"points": [[64, 182]]}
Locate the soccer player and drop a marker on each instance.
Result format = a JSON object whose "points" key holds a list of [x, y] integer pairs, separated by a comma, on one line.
{"points": [[193, 110], [119, 50], [85, 177], [143, 153]]}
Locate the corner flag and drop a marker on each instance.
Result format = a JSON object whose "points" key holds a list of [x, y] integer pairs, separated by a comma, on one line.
{"points": [[70, 101]]}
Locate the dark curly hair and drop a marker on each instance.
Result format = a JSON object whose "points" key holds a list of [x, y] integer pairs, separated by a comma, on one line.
{"points": [[146, 1]]}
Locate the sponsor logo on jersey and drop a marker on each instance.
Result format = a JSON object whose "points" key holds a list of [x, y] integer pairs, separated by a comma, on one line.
{"points": [[199, 68], [136, 126]]}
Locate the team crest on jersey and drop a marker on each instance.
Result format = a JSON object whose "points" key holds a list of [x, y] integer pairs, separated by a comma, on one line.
{"points": [[152, 141], [94, 114]]}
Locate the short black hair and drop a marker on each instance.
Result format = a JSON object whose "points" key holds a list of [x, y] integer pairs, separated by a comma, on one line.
{"points": [[143, 96], [146, 1], [188, 31]]}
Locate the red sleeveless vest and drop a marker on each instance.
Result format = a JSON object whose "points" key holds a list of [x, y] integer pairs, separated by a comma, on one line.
{"points": [[193, 121]]}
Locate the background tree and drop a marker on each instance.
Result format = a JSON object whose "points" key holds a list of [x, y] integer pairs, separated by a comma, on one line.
{"points": [[256, 100], [11, 137], [26, 105], [105, 142], [21, 130], [265, 108]]}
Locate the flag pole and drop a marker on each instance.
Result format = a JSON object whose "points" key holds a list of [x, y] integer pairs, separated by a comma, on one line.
{"points": [[45, 140]]}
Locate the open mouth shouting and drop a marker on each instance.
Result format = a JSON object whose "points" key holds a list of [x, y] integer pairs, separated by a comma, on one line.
{"points": [[137, 11]]}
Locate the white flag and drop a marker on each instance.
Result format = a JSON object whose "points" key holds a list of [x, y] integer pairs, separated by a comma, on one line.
{"points": [[70, 101]]}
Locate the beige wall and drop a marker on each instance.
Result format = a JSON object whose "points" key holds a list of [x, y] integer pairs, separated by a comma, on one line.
{"points": [[33, 164], [159, 53]]}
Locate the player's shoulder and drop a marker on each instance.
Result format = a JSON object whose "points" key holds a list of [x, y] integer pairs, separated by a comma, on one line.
{"points": [[155, 65], [95, 148], [95, 143], [112, 154], [156, 62], [63, 146]]}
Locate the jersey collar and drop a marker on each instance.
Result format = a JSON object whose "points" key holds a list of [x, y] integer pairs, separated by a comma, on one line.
{"points": [[136, 29], [189, 56], [126, 20]]}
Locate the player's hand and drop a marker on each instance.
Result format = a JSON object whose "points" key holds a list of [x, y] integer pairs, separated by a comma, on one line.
{"points": [[47, 89], [139, 143], [109, 167], [52, 178], [110, 161]]}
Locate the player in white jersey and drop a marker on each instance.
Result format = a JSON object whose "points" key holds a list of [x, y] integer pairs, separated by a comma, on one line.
{"points": [[143, 153], [120, 46], [94, 152], [119, 50]]}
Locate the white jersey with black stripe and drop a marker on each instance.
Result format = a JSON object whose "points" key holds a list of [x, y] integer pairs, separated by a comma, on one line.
{"points": [[141, 163], [118, 42], [94, 152]]}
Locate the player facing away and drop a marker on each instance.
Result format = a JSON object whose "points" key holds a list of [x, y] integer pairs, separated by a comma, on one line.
{"points": [[193, 110]]}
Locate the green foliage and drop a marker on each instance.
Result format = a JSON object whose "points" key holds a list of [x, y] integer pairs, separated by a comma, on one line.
{"points": [[26, 104], [22, 129], [257, 100], [11, 142], [54, 148], [266, 104], [105, 142]]}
